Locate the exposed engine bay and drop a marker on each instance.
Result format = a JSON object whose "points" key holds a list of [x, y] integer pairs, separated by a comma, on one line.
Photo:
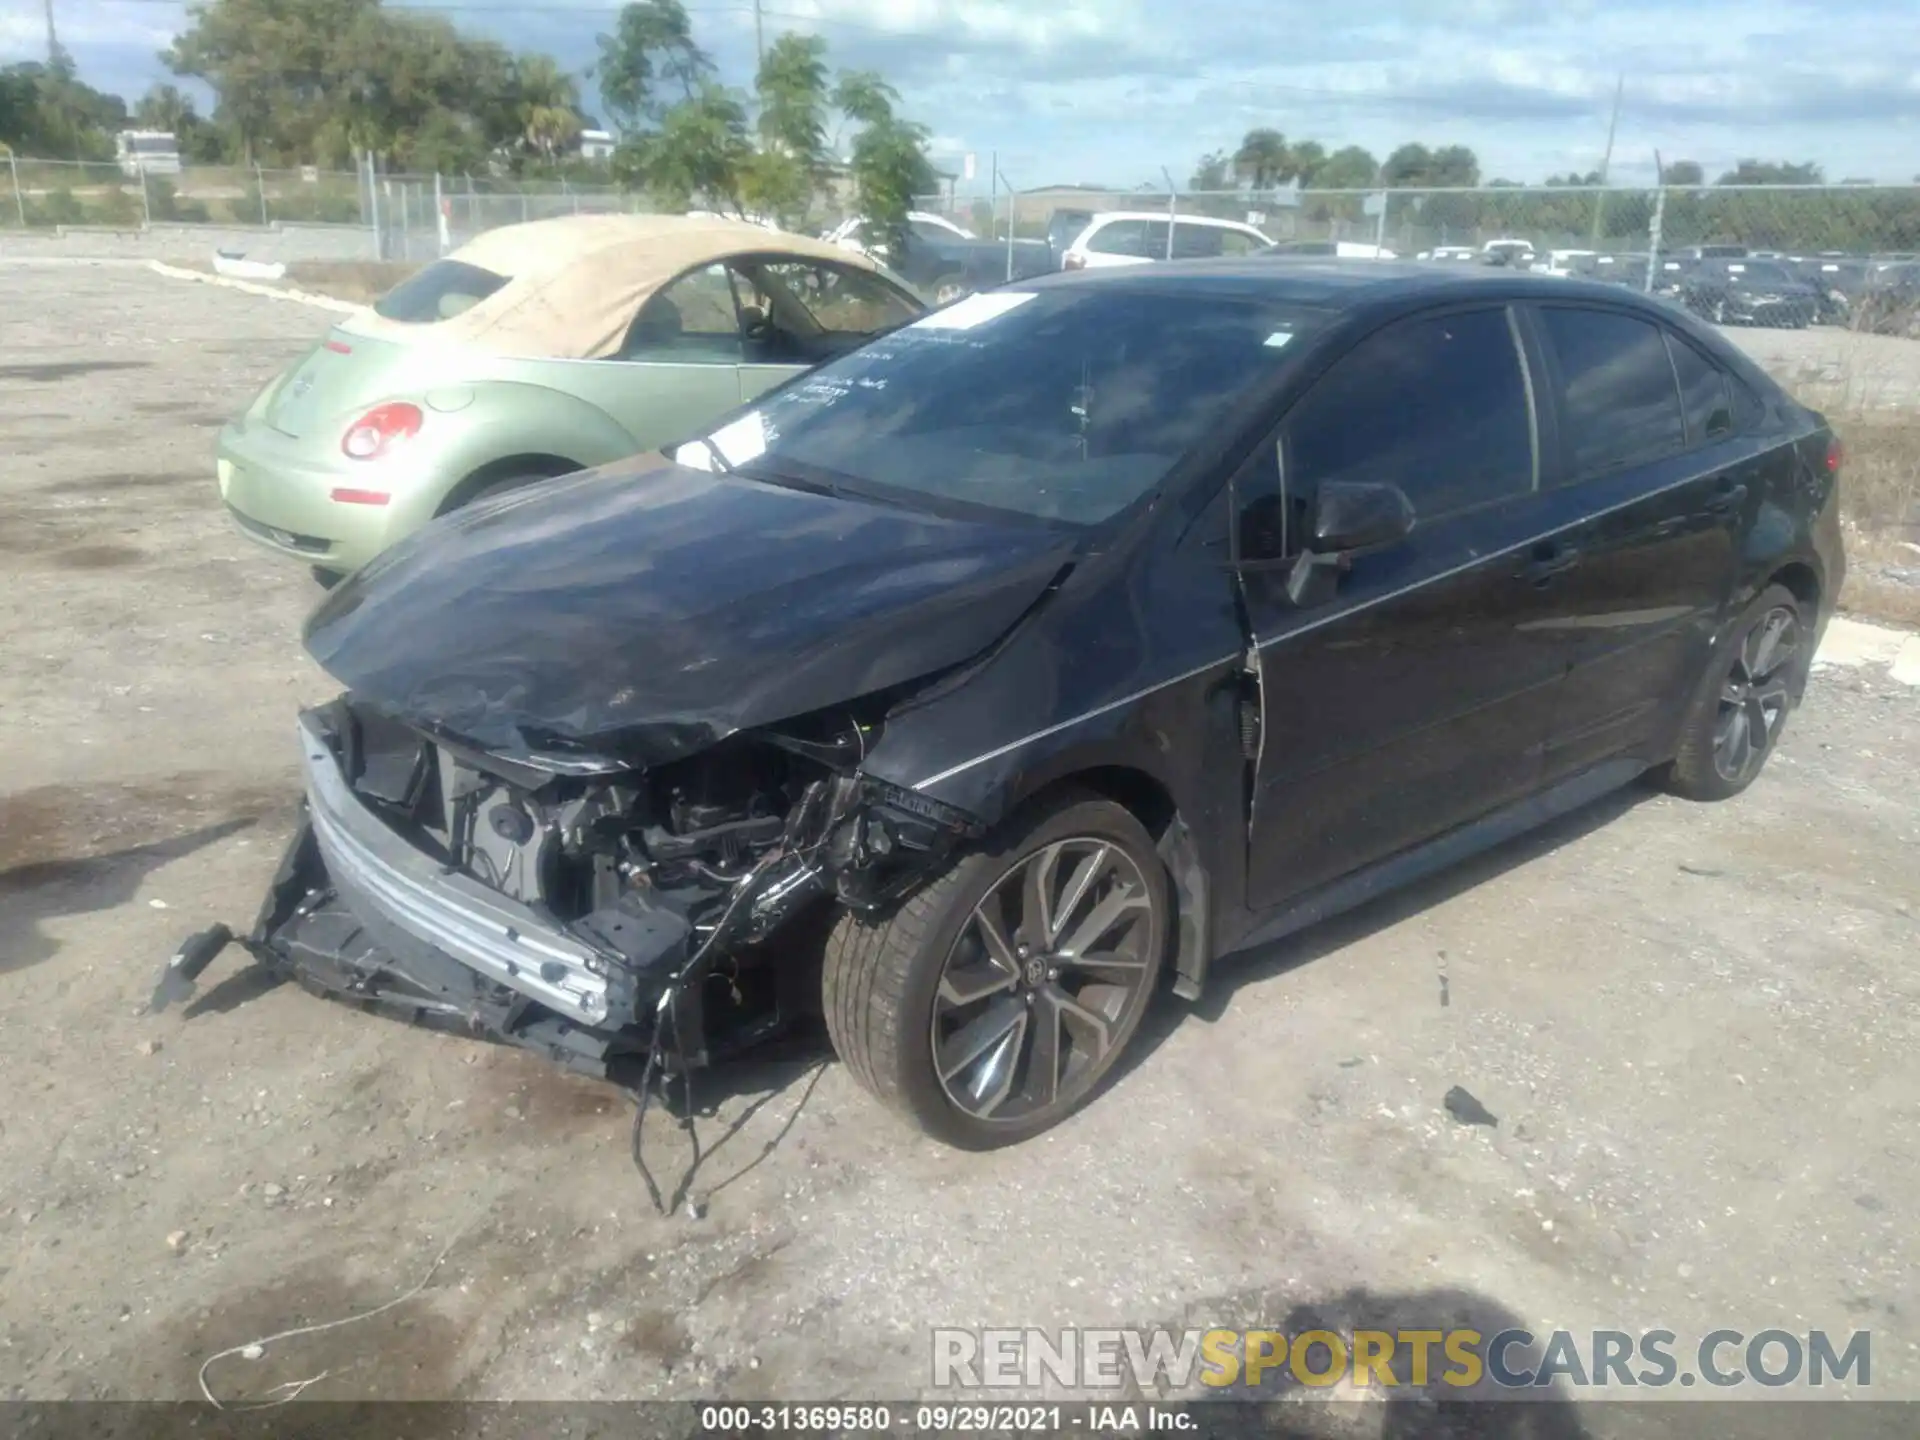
{"points": [[565, 903]]}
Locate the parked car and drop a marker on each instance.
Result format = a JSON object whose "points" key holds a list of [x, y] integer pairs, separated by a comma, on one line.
{"points": [[535, 350], [1568, 262], [1455, 253], [1890, 305], [1130, 237], [1840, 282], [1063, 228], [1617, 268], [1070, 638], [1518, 254], [1337, 249], [1750, 292], [945, 261]]}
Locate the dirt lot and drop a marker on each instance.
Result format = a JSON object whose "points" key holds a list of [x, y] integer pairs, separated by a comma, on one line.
{"points": [[1696, 1025]]}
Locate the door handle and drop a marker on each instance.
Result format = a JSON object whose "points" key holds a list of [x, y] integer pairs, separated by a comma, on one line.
{"points": [[1549, 559], [1724, 501]]}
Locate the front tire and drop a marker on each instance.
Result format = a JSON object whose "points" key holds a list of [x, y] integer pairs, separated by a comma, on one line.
{"points": [[1737, 715], [993, 1003]]}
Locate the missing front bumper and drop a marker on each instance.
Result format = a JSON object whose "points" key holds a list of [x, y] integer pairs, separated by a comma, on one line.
{"points": [[338, 945]]}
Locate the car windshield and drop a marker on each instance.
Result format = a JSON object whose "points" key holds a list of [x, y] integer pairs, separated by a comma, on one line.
{"points": [[1063, 405], [440, 291]]}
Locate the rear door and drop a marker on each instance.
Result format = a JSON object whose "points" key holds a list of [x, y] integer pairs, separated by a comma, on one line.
{"points": [[1650, 460], [1419, 698], [1126, 242]]}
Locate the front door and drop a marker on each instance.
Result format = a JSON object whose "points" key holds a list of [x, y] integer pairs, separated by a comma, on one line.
{"points": [[1416, 699], [797, 313], [678, 369]]}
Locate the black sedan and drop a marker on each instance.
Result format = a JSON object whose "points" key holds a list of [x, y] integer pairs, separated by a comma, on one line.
{"points": [[983, 683], [1751, 292]]}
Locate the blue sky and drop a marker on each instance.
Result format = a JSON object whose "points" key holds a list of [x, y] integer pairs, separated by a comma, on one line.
{"points": [[1108, 91]]}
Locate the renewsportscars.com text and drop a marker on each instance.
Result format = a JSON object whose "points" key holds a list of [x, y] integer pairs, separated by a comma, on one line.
{"points": [[1180, 1361]]}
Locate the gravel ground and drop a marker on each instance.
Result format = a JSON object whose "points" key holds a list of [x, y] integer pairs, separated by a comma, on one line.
{"points": [[1696, 1026]]}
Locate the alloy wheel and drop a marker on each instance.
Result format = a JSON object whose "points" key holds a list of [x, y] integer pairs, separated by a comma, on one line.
{"points": [[1045, 981], [1754, 697]]}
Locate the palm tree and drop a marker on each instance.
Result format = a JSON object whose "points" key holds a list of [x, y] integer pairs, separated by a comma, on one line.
{"points": [[549, 105], [1263, 159], [168, 108]]}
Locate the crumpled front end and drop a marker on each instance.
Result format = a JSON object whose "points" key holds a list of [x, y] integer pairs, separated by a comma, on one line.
{"points": [[572, 905]]}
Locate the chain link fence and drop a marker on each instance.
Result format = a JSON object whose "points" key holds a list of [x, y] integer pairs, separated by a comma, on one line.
{"points": [[1858, 220], [1841, 239]]}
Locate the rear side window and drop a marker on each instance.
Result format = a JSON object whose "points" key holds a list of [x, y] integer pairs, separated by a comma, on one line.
{"points": [[1619, 404], [1435, 406], [1703, 393], [439, 292], [1144, 238], [1196, 242]]}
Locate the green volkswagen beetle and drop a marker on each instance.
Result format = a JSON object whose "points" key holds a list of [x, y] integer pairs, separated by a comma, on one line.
{"points": [[535, 350]]}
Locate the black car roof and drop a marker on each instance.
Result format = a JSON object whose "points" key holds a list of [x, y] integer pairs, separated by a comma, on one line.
{"points": [[1362, 292], [1340, 284]]}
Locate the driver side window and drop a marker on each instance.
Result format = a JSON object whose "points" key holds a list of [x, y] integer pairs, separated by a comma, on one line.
{"points": [[1437, 406], [693, 321]]}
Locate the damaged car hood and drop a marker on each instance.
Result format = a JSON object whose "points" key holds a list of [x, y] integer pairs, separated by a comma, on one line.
{"points": [[648, 610]]}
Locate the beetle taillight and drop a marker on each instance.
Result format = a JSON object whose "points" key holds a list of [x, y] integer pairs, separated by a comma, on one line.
{"points": [[1836, 454], [380, 429]]}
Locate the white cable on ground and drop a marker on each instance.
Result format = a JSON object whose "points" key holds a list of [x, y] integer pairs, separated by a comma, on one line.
{"points": [[294, 1387]]}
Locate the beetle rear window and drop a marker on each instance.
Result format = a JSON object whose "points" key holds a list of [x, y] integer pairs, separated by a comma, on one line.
{"points": [[441, 291]]}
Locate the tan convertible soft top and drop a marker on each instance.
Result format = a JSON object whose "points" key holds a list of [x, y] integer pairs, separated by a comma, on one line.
{"points": [[576, 282]]}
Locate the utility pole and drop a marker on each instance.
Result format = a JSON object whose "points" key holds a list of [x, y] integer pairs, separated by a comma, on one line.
{"points": [[1606, 158], [759, 34], [53, 40], [1654, 231]]}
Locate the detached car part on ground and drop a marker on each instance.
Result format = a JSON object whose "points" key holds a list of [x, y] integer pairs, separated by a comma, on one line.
{"points": [[974, 684], [536, 350], [1752, 292]]}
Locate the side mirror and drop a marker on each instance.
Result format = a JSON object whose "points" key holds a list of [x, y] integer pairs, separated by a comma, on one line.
{"points": [[1355, 515], [1350, 516]]}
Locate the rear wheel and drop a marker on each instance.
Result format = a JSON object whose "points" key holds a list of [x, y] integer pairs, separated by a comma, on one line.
{"points": [[1737, 716], [483, 486], [993, 1003]]}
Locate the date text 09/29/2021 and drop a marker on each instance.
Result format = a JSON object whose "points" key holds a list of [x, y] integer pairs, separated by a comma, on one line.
{"points": [[943, 1419]]}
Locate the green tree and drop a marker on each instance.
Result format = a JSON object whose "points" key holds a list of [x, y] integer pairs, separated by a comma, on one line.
{"points": [[699, 151], [169, 108], [280, 68], [889, 160], [1772, 172], [548, 105], [792, 88], [1414, 166], [1263, 159], [1214, 172], [46, 110], [1685, 172], [651, 48], [1352, 167]]}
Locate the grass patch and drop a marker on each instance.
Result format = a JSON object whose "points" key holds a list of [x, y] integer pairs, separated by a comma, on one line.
{"points": [[1880, 515], [361, 281]]}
